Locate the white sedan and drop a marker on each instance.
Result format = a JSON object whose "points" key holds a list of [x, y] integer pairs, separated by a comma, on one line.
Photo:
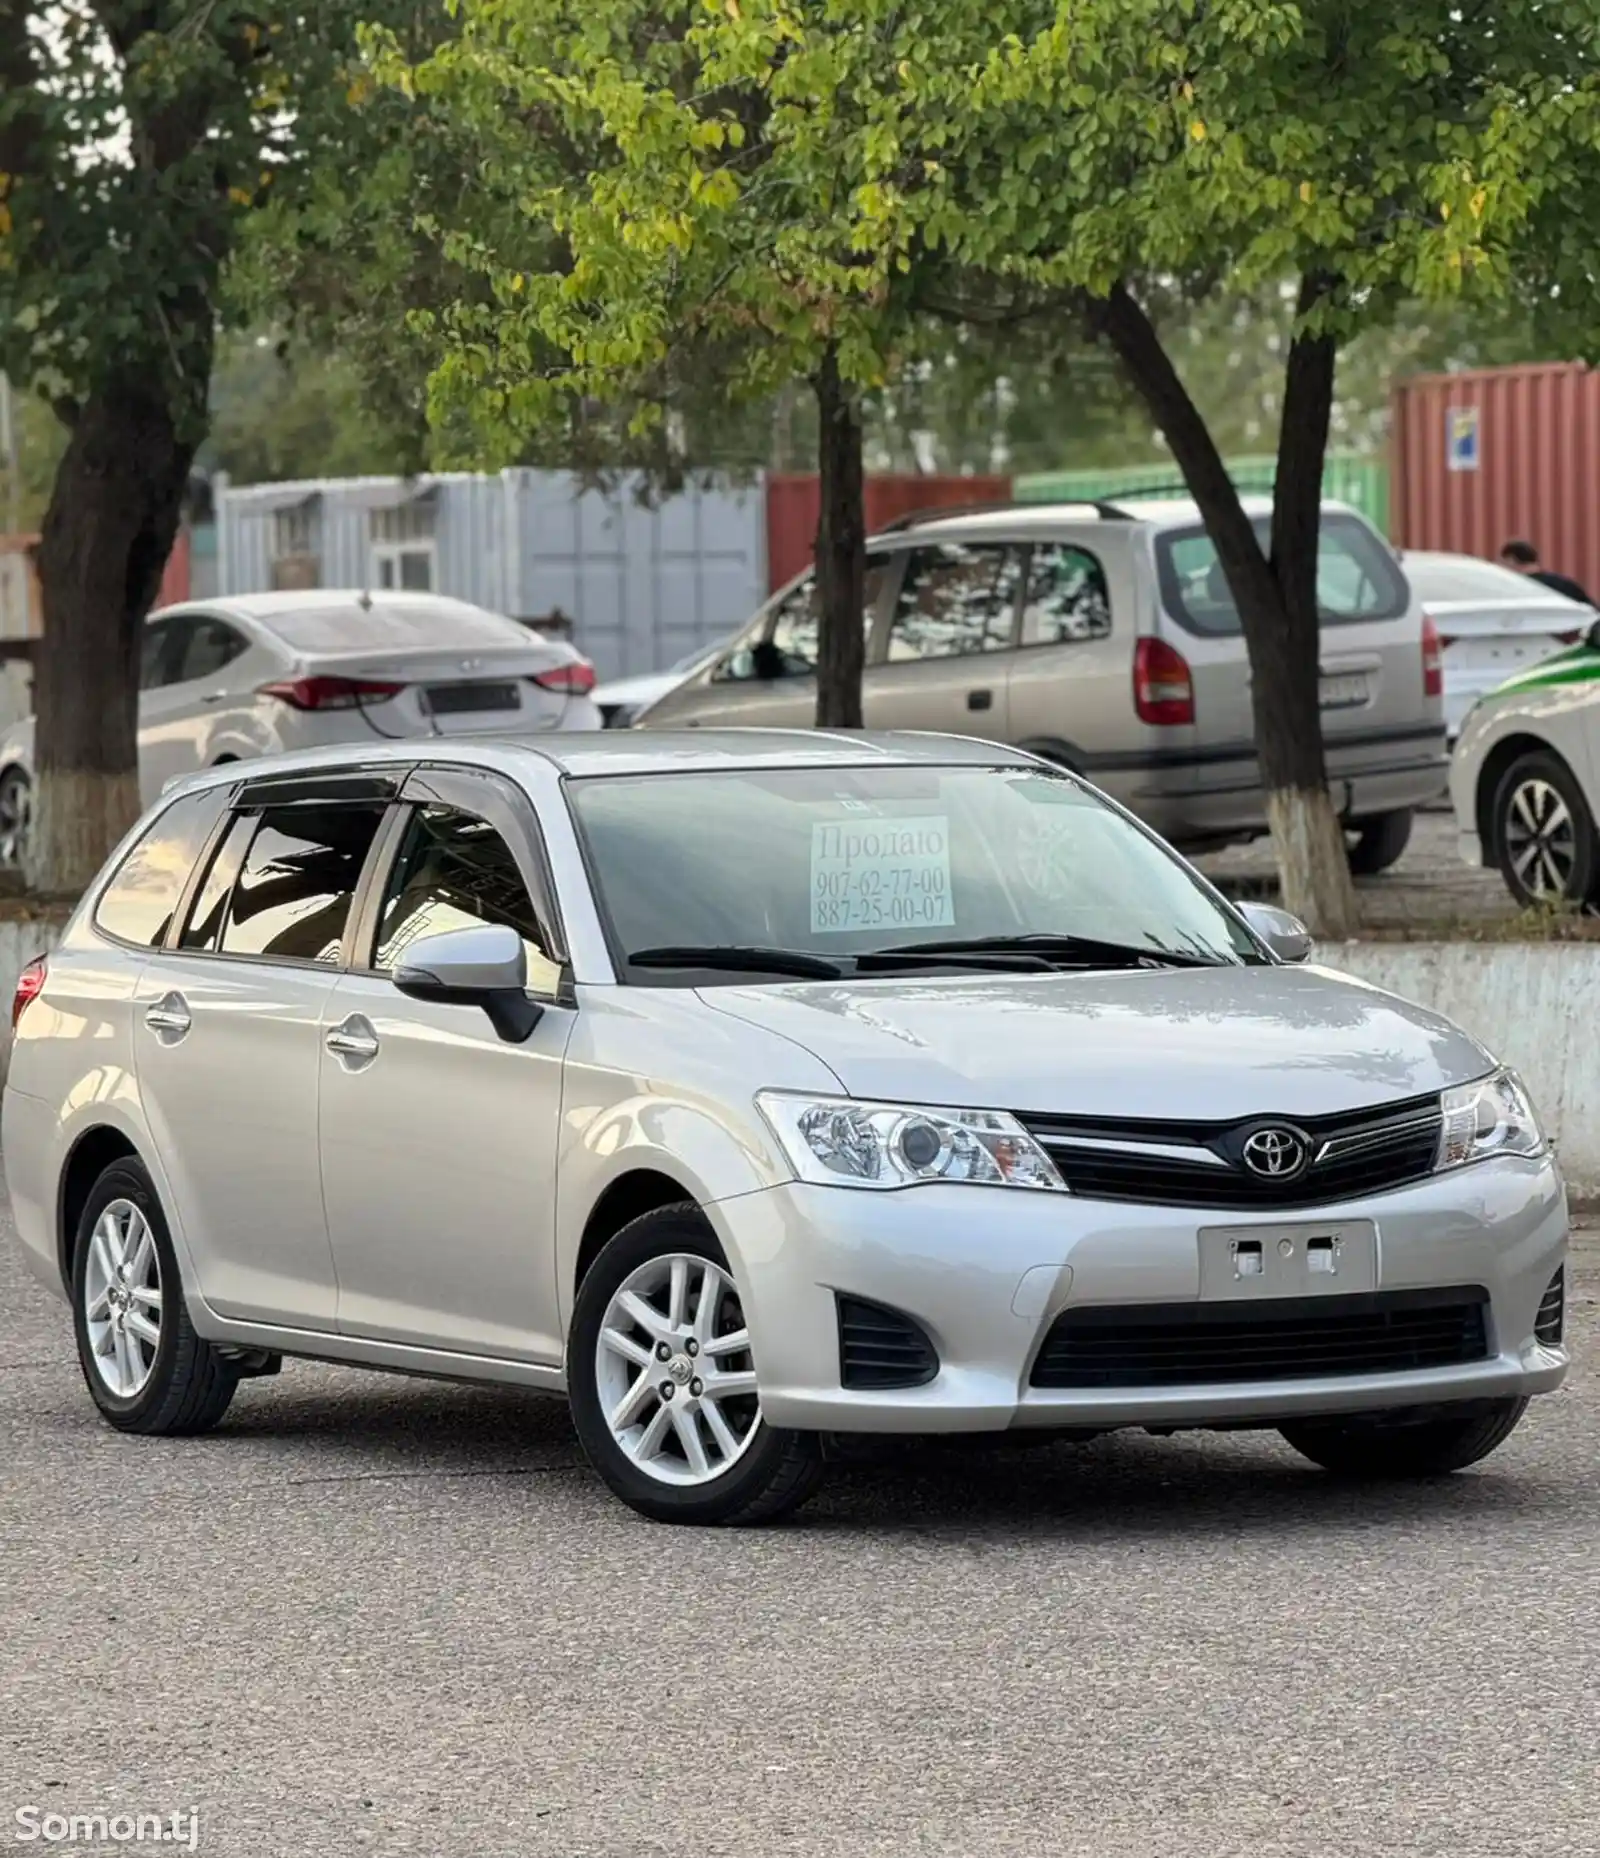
{"points": [[256, 674], [1492, 623]]}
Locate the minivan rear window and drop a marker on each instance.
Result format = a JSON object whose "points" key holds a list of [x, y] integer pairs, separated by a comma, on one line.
{"points": [[1357, 578]]}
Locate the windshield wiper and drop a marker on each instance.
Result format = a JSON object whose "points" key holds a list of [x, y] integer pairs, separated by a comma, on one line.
{"points": [[1055, 949], [738, 959]]}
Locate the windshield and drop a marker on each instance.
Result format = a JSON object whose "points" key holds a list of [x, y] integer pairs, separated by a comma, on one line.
{"points": [[1357, 577], [841, 862]]}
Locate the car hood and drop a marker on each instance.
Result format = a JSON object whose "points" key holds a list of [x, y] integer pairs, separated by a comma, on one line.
{"points": [[1201, 1043]]}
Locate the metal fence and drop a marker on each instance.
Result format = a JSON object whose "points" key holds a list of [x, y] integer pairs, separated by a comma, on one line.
{"points": [[1349, 477]]}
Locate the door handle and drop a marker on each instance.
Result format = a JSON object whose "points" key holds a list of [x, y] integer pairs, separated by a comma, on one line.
{"points": [[215, 696], [169, 1019], [980, 699], [353, 1042]]}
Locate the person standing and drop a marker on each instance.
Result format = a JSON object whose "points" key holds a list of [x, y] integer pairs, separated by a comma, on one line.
{"points": [[1523, 557]]}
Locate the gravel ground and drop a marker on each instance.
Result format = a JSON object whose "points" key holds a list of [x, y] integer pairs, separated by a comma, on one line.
{"points": [[1428, 885], [373, 1615]]}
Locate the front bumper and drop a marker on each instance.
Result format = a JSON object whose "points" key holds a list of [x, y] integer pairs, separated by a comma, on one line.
{"points": [[986, 1271]]}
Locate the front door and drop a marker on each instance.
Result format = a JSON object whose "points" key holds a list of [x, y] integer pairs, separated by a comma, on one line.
{"points": [[438, 1138], [227, 1029]]}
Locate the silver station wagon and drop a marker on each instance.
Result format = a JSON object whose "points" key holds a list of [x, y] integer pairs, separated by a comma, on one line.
{"points": [[753, 1089]]}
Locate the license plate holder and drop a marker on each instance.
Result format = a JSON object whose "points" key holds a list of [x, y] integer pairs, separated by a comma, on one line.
{"points": [[1344, 690], [472, 699], [1311, 1258]]}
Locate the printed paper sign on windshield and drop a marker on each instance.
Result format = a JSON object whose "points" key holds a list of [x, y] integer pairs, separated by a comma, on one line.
{"points": [[881, 874]]}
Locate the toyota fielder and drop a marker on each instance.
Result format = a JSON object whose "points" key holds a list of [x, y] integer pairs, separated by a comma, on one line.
{"points": [[754, 1089]]}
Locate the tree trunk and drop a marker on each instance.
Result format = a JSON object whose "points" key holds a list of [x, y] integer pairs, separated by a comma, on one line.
{"points": [[113, 516], [1276, 597], [841, 551]]}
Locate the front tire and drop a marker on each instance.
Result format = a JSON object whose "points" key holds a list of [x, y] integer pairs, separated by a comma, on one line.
{"points": [[146, 1368], [1544, 835], [663, 1384], [1373, 1449], [1379, 843]]}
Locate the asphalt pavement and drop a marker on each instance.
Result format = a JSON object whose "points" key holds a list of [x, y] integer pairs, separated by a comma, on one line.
{"points": [[373, 1615]]}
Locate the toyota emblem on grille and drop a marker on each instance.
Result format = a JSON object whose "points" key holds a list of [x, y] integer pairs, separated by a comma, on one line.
{"points": [[1277, 1153]]}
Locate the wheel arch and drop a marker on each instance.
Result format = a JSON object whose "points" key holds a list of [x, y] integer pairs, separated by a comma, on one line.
{"points": [[628, 1197], [90, 1155], [1492, 770]]}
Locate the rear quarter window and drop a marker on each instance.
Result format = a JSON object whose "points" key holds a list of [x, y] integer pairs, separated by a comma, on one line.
{"points": [[138, 905], [1357, 578]]}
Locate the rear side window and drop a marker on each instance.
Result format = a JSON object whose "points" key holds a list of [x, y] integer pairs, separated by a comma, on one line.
{"points": [[1067, 599], [137, 905], [1357, 577], [282, 883], [209, 646]]}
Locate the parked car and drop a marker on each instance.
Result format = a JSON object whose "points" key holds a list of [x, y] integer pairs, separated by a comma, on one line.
{"points": [[258, 674], [1491, 623], [1104, 638], [751, 1088], [620, 700], [1525, 779]]}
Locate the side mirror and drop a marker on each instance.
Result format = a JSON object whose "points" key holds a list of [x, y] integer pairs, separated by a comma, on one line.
{"points": [[485, 967], [1285, 935]]}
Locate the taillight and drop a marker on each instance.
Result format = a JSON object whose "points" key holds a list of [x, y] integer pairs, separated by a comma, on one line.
{"points": [[1163, 690], [331, 693], [30, 984], [1432, 660], [571, 680]]}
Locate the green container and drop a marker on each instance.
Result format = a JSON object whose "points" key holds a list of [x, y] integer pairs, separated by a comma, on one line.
{"points": [[1348, 477]]}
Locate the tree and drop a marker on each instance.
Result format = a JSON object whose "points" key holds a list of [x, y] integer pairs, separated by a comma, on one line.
{"points": [[136, 138]]}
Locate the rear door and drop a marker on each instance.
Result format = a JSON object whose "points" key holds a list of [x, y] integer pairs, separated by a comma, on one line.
{"points": [[1071, 690], [943, 652], [197, 690], [227, 1032]]}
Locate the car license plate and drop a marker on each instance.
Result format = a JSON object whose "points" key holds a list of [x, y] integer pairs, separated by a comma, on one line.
{"points": [[1344, 690], [469, 699], [1325, 1258]]}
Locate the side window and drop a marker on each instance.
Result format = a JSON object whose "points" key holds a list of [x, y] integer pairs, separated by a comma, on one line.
{"points": [[789, 647], [211, 644], [155, 654], [1067, 599], [137, 904], [203, 931], [955, 600], [295, 885], [454, 871]]}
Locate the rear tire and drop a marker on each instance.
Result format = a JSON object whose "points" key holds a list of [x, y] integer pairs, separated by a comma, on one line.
{"points": [[769, 1472], [16, 814], [1379, 843], [146, 1368], [1374, 1449], [1544, 836]]}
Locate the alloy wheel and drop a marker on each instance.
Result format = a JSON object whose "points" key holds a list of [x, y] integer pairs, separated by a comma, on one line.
{"points": [[1541, 839], [122, 1298], [674, 1371], [16, 814]]}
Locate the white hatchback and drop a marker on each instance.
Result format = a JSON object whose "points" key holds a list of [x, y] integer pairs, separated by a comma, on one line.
{"points": [[752, 1089], [256, 674]]}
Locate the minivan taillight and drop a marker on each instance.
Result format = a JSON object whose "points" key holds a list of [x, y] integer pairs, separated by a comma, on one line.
{"points": [[30, 984], [1163, 690], [1432, 659], [331, 693], [571, 680]]}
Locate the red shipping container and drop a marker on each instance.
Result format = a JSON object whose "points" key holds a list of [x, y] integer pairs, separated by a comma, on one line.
{"points": [[795, 501], [1501, 454]]}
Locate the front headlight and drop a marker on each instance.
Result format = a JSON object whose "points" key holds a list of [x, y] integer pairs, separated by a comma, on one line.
{"points": [[836, 1142], [1491, 1117]]}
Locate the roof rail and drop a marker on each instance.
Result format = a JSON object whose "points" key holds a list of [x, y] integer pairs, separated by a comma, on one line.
{"points": [[911, 519]]}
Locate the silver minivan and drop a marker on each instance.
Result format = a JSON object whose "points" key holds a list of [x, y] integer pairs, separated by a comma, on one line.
{"points": [[1104, 638]]}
